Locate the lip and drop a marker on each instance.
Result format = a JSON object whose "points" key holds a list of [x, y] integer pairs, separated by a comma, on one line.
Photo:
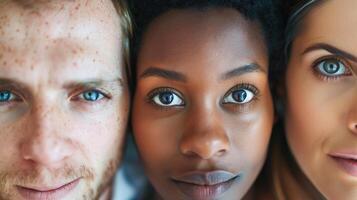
{"points": [[46, 192], [205, 185], [347, 161]]}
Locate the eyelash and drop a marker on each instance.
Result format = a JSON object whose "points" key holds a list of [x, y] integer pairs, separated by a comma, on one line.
{"points": [[157, 91], [245, 106], [323, 77], [80, 92], [18, 98]]}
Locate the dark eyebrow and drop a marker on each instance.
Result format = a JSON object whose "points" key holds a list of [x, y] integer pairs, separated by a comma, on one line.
{"points": [[332, 50], [253, 67], [168, 74]]}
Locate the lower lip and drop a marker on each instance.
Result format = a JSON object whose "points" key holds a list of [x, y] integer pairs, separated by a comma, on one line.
{"points": [[198, 192], [58, 193], [348, 165]]}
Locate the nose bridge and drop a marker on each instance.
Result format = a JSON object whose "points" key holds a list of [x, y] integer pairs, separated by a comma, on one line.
{"points": [[352, 115], [205, 135], [44, 144]]}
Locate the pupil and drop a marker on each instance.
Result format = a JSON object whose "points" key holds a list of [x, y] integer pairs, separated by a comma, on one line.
{"points": [[331, 67], [4, 96], [166, 98], [91, 96], [239, 95]]}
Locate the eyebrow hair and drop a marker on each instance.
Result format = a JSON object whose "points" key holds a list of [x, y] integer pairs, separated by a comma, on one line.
{"points": [[92, 83], [331, 49], [249, 68], [12, 82], [167, 74]]}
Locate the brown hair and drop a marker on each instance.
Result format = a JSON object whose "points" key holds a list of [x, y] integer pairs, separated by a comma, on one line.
{"points": [[123, 11], [287, 179]]}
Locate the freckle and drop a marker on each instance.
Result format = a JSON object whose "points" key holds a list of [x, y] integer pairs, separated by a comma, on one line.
{"points": [[94, 60], [74, 51], [17, 61], [46, 47], [75, 64], [32, 67], [77, 7], [72, 27], [46, 23], [17, 30], [4, 63], [96, 52]]}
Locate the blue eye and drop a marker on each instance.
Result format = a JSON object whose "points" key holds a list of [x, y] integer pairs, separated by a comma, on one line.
{"points": [[92, 95], [239, 96], [6, 96], [331, 67], [167, 99]]}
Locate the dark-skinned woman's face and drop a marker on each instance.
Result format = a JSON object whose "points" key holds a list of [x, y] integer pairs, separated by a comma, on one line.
{"points": [[203, 111]]}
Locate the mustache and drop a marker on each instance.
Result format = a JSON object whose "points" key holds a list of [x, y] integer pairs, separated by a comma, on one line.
{"points": [[43, 175]]}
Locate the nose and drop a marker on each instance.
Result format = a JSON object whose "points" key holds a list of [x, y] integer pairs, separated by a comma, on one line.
{"points": [[205, 136], [352, 119], [45, 143]]}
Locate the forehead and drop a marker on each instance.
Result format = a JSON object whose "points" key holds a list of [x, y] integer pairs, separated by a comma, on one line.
{"points": [[333, 21], [217, 36], [50, 33]]}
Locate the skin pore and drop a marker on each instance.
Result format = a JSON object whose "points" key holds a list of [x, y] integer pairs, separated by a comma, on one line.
{"points": [[203, 113], [63, 99], [321, 81]]}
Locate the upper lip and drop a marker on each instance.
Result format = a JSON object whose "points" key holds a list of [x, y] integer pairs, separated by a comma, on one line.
{"points": [[345, 155], [206, 178], [47, 188]]}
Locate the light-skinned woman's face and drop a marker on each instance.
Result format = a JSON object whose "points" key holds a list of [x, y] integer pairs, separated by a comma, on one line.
{"points": [[321, 120], [203, 111]]}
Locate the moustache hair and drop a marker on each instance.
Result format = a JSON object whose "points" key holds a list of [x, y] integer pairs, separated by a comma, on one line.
{"points": [[42, 176]]}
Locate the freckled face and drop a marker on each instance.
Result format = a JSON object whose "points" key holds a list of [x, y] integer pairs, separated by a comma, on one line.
{"points": [[202, 112], [321, 120], [63, 99]]}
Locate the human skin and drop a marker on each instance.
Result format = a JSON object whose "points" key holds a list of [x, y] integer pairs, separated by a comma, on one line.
{"points": [[63, 99], [202, 111], [321, 115]]}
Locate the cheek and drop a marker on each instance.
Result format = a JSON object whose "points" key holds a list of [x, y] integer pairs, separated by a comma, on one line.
{"points": [[154, 136], [102, 135], [308, 116]]}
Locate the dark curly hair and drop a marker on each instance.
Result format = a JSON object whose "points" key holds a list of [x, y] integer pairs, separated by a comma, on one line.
{"points": [[268, 13]]}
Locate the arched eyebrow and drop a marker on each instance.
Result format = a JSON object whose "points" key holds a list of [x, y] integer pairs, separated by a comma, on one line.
{"points": [[163, 73], [249, 68], [177, 76], [331, 49]]}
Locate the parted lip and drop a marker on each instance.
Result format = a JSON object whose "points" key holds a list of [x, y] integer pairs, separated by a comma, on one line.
{"points": [[205, 178]]}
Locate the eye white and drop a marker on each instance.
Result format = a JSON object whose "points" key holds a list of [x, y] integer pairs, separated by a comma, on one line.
{"points": [[175, 101], [331, 68], [230, 98]]}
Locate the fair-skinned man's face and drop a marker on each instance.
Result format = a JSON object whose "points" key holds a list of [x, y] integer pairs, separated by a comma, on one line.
{"points": [[63, 99]]}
